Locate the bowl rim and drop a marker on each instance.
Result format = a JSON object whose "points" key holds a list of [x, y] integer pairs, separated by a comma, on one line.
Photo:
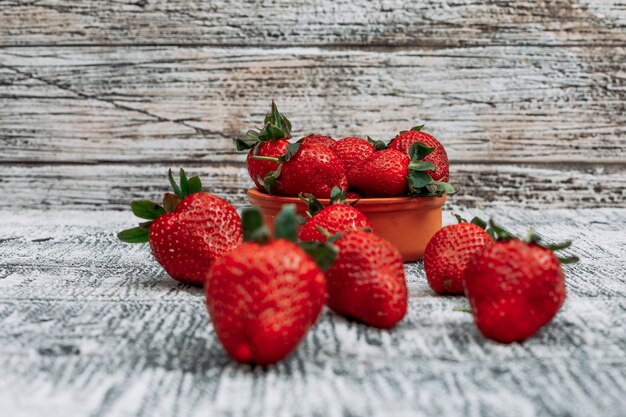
{"points": [[254, 193]]}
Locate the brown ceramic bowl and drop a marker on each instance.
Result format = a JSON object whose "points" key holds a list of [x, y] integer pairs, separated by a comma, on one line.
{"points": [[406, 222]]}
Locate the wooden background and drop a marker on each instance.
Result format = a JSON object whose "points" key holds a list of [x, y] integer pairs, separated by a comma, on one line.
{"points": [[98, 98]]}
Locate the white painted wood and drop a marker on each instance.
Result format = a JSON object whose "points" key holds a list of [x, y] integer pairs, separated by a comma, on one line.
{"points": [[428, 23], [114, 186], [515, 104], [92, 326]]}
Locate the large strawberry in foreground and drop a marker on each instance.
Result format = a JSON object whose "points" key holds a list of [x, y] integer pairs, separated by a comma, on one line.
{"points": [[449, 251], [515, 287], [438, 156], [188, 232], [366, 281], [337, 217], [270, 141], [264, 297]]}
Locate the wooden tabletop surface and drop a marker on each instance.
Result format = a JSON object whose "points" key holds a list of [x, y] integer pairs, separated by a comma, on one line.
{"points": [[99, 98], [93, 327]]}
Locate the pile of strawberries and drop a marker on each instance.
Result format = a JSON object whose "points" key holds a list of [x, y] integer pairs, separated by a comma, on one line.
{"points": [[263, 293], [414, 163]]}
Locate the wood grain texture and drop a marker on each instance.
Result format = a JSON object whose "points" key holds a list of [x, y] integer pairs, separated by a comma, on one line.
{"points": [[114, 186], [428, 23], [92, 326], [517, 104]]}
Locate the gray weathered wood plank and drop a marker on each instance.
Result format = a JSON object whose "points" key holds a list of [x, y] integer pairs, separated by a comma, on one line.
{"points": [[113, 186], [522, 104], [340, 22], [90, 326]]}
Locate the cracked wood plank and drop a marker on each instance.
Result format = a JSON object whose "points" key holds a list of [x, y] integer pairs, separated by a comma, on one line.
{"points": [[114, 186], [515, 104], [92, 326], [345, 23]]}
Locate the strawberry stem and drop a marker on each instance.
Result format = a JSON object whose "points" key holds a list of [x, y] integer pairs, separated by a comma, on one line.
{"points": [[266, 158]]}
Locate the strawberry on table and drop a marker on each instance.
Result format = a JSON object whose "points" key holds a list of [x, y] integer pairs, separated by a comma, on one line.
{"points": [[264, 297], [188, 232], [515, 287], [449, 251], [271, 141], [337, 217], [366, 281], [438, 156]]}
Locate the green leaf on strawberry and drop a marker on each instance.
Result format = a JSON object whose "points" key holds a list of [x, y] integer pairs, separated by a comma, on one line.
{"points": [[149, 210], [145, 209], [421, 183], [134, 235], [254, 230], [275, 127], [286, 223]]}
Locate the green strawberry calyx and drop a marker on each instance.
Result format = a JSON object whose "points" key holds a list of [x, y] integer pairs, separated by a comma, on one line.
{"points": [[314, 206], [478, 222], [275, 127], [149, 210], [378, 145], [285, 227], [421, 184], [501, 234], [269, 181]]}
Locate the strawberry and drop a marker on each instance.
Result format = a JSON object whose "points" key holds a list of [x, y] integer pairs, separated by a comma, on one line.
{"points": [[351, 195], [366, 281], [448, 253], [338, 217], [305, 168], [259, 169], [438, 156], [188, 232], [383, 174], [271, 141], [352, 152], [264, 297], [515, 287], [391, 173], [319, 140]]}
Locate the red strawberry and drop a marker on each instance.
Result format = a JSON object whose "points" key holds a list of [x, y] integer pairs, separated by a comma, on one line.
{"points": [[351, 195], [352, 152], [263, 297], [306, 168], [335, 218], [318, 140], [189, 232], [391, 173], [271, 141], [259, 169], [383, 174], [366, 281], [438, 156], [515, 287], [448, 253]]}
